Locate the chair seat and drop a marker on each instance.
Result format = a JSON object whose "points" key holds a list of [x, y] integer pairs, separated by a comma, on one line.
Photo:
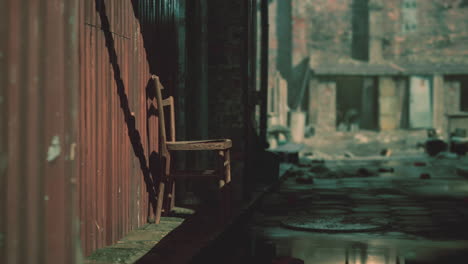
{"points": [[215, 144]]}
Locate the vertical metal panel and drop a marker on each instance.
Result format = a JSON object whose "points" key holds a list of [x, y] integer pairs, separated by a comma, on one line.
{"points": [[3, 127], [55, 109], [74, 74], [113, 154], [38, 62]]}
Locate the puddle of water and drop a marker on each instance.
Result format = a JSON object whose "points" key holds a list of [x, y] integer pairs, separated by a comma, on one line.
{"points": [[454, 188], [361, 248], [411, 203]]}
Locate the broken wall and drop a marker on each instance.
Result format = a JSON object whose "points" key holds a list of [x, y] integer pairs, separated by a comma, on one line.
{"points": [[334, 26]]}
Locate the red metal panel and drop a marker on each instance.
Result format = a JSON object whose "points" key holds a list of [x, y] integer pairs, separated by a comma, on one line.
{"points": [[4, 11], [33, 120], [12, 52], [77, 109], [55, 182], [38, 78], [113, 77]]}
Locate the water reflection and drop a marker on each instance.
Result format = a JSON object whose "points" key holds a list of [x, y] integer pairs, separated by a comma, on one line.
{"points": [[427, 216], [361, 248]]}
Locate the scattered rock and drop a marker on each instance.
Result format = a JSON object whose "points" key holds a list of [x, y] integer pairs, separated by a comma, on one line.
{"points": [[386, 152], [425, 176], [386, 170], [435, 146]]}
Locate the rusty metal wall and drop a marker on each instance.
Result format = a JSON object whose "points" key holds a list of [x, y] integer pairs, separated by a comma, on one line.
{"points": [[75, 136], [116, 137], [38, 96]]}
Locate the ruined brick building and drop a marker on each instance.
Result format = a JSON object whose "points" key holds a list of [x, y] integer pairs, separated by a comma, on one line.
{"points": [[381, 65]]}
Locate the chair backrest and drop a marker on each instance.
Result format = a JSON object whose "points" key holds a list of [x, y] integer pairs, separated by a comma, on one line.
{"points": [[161, 117]]}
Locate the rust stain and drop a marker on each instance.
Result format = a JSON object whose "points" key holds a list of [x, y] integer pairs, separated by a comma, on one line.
{"points": [[112, 125], [39, 59], [74, 128]]}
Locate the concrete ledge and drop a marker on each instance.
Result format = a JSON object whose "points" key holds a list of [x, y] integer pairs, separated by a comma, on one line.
{"points": [[185, 238]]}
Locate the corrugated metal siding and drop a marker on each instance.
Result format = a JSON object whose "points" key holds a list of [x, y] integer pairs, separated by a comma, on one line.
{"points": [[38, 85], [73, 78], [113, 134]]}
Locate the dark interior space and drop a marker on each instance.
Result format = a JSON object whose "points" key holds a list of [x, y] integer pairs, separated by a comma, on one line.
{"points": [[356, 103], [464, 94]]}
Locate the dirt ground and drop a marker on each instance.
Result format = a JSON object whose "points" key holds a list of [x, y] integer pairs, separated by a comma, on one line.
{"points": [[345, 145]]}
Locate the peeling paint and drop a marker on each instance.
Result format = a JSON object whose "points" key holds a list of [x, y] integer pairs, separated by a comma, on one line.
{"points": [[72, 151], [54, 149]]}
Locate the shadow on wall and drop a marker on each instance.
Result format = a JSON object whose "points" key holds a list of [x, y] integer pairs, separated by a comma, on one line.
{"points": [[149, 173]]}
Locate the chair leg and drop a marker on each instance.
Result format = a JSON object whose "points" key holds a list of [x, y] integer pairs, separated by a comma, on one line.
{"points": [[159, 202], [227, 166], [169, 197], [161, 191], [227, 180], [173, 196]]}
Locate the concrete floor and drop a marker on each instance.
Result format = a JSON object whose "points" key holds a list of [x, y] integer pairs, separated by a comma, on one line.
{"points": [[425, 220]]}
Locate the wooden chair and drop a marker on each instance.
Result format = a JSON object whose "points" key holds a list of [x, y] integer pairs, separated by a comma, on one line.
{"points": [[167, 147]]}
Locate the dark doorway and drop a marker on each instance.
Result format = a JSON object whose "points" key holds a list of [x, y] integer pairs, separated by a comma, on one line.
{"points": [[464, 93], [356, 103]]}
